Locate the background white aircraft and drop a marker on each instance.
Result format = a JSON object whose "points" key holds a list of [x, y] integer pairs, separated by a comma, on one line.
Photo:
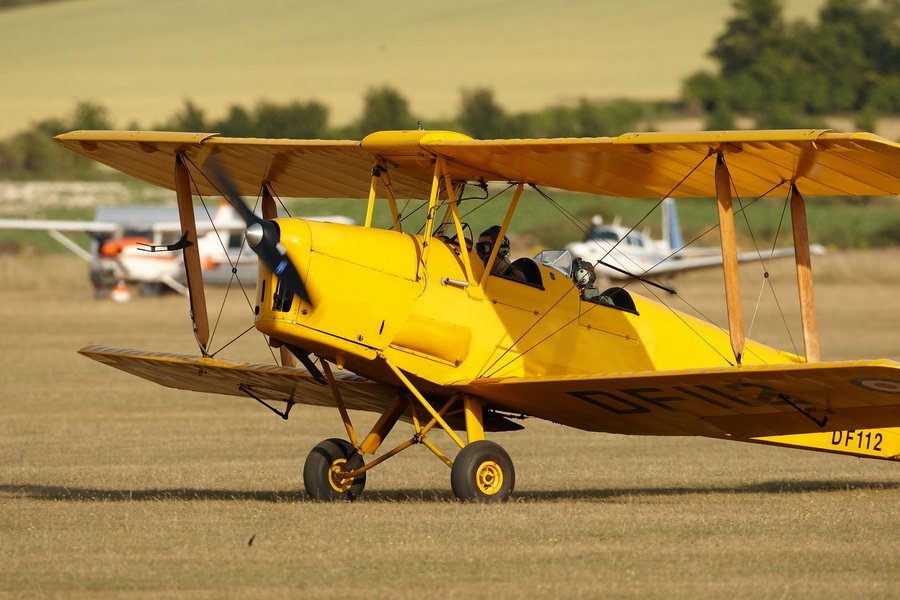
{"points": [[620, 253], [121, 237]]}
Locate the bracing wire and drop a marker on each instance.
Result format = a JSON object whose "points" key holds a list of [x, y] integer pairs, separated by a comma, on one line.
{"points": [[767, 280], [574, 219], [661, 200], [234, 276], [711, 228], [491, 371], [522, 336]]}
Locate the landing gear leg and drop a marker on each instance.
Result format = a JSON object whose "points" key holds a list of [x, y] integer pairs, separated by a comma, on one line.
{"points": [[325, 474], [482, 471], [323, 467]]}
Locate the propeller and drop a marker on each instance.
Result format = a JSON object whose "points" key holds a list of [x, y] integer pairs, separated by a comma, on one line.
{"points": [[262, 236]]}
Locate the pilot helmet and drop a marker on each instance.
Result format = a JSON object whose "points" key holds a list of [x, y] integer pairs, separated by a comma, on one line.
{"points": [[583, 273], [484, 248]]}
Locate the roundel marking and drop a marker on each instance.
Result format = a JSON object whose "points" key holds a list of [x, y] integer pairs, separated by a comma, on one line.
{"points": [[886, 386]]}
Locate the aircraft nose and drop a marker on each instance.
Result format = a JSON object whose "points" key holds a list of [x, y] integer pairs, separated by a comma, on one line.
{"points": [[254, 235]]}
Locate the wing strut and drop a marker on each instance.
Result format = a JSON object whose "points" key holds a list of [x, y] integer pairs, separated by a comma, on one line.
{"points": [[804, 276], [728, 240], [501, 234], [191, 253], [269, 210]]}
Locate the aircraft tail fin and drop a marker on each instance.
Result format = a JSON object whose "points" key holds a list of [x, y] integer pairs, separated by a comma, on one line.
{"points": [[671, 228]]}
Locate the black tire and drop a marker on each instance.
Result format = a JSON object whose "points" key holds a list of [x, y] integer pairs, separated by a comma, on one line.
{"points": [[326, 455], [482, 472]]}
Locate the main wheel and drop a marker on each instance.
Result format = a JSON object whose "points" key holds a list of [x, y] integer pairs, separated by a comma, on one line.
{"points": [[324, 462], [482, 472]]}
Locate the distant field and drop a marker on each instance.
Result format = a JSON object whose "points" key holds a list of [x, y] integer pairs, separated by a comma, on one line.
{"points": [[538, 224], [142, 58], [111, 487]]}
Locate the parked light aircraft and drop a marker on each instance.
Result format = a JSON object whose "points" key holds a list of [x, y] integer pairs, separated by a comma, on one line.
{"points": [[420, 330], [622, 253], [125, 243]]}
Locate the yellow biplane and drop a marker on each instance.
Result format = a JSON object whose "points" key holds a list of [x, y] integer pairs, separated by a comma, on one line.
{"points": [[423, 328]]}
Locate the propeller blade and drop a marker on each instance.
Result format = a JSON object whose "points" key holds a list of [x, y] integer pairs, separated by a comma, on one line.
{"points": [[263, 236]]}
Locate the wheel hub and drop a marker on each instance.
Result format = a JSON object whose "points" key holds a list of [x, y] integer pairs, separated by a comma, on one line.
{"points": [[337, 476], [489, 477]]}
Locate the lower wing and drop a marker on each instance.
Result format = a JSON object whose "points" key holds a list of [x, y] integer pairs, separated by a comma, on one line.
{"points": [[743, 403], [263, 382], [233, 378]]}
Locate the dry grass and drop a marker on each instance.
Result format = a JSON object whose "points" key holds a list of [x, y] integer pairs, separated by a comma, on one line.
{"points": [[110, 486]]}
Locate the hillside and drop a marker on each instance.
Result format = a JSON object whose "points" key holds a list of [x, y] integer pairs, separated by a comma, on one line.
{"points": [[142, 58]]}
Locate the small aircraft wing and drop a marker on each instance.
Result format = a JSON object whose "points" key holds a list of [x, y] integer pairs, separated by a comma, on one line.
{"points": [[714, 258], [69, 226], [729, 402], [56, 228]]}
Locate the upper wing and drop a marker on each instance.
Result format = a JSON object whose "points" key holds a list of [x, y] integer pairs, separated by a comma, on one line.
{"points": [[637, 165], [294, 168], [738, 402], [45, 225], [682, 165]]}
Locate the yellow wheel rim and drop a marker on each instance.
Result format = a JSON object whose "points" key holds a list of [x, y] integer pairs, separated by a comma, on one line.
{"points": [[335, 478], [489, 477]]}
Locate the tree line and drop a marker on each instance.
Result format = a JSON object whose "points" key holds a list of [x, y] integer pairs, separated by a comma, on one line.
{"points": [[781, 74], [788, 74], [31, 154]]}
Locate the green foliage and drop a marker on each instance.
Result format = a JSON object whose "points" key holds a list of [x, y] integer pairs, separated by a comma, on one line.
{"points": [[481, 117], [385, 108], [757, 25], [588, 119], [720, 118], [190, 118], [6, 4], [33, 154], [239, 122], [884, 95], [867, 119], [780, 71], [300, 120]]}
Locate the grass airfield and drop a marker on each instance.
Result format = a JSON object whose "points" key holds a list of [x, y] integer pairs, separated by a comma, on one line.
{"points": [[113, 486]]}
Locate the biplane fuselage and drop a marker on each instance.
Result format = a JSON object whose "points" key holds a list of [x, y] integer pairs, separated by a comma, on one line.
{"points": [[375, 292]]}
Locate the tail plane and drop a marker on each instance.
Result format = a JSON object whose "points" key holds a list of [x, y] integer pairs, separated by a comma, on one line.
{"points": [[671, 227]]}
